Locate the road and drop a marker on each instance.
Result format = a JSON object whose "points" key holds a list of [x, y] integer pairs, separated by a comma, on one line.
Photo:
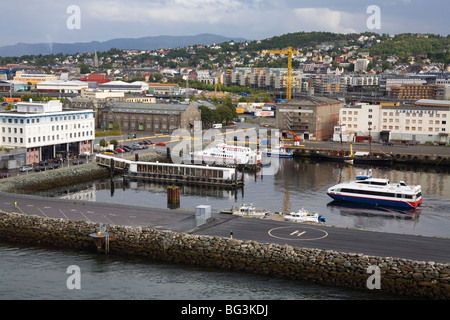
{"points": [[260, 230], [330, 238]]}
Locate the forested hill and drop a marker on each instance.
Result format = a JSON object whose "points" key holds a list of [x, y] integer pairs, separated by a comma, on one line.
{"points": [[301, 40]]}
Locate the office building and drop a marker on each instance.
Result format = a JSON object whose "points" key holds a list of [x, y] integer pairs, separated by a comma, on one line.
{"points": [[47, 131]]}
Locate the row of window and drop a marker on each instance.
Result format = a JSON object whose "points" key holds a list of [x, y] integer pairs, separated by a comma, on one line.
{"points": [[48, 138], [52, 119]]}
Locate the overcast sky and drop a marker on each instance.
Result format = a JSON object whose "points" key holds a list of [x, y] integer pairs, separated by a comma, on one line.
{"points": [[32, 21]]}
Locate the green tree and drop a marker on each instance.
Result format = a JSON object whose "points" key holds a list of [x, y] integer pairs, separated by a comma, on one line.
{"points": [[114, 142], [84, 68]]}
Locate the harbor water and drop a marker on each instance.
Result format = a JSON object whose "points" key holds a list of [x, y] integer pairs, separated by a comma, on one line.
{"points": [[41, 273]]}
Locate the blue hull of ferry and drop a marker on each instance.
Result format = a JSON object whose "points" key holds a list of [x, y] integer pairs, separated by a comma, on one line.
{"points": [[380, 202], [279, 155]]}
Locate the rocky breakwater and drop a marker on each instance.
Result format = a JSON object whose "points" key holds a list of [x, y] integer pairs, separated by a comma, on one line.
{"points": [[393, 275], [38, 181]]}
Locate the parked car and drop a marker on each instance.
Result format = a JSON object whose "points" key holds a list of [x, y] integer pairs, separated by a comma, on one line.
{"points": [[39, 168], [120, 150], [388, 143], [53, 166], [4, 175], [127, 148], [150, 141], [25, 169], [77, 162], [161, 144], [43, 163]]}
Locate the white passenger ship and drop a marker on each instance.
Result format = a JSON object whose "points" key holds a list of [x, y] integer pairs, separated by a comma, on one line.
{"points": [[369, 190], [224, 154]]}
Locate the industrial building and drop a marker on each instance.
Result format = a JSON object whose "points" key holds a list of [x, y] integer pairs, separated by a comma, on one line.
{"points": [[309, 117], [149, 117]]}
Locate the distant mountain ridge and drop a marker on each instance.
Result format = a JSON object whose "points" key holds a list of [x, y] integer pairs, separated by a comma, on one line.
{"points": [[144, 43]]}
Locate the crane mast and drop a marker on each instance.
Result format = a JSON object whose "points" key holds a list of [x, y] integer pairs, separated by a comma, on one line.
{"points": [[289, 52]]}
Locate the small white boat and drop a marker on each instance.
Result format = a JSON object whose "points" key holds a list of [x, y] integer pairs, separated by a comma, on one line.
{"points": [[248, 210], [281, 152], [304, 215]]}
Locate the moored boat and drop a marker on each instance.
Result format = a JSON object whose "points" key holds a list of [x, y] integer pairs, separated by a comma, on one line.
{"points": [[304, 215], [377, 191], [224, 154], [248, 210], [361, 157], [281, 152]]}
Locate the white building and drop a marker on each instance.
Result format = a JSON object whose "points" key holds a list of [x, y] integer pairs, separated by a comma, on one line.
{"points": [[424, 121], [47, 131], [361, 64], [359, 118], [62, 86], [121, 86]]}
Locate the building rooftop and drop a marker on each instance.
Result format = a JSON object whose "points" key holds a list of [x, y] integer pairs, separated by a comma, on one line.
{"points": [[151, 108], [311, 101], [430, 102]]}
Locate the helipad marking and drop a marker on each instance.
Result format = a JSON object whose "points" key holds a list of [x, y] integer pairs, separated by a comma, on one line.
{"points": [[298, 233]]}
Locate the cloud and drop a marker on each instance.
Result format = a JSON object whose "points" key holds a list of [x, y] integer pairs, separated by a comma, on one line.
{"points": [[188, 11], [324, 19]]}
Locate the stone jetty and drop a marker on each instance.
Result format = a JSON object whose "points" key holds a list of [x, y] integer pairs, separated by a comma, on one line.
{"points": [[399, 276]]}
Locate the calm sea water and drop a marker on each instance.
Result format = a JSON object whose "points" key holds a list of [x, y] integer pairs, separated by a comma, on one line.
{"points": [[30, 273], [40, 273]]}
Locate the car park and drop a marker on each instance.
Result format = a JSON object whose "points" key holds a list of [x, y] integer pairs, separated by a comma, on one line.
{"points": [[25, 169]]}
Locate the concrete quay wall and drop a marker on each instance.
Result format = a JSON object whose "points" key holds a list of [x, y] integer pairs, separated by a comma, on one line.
{"points": [[428, 280], [409, 158]]}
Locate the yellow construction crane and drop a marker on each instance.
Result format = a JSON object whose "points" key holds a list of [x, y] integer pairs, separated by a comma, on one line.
{"points": [[289, 52]]}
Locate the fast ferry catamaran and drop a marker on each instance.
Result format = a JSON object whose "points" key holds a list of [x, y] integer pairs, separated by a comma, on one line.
{"points": [[369, 190]]}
